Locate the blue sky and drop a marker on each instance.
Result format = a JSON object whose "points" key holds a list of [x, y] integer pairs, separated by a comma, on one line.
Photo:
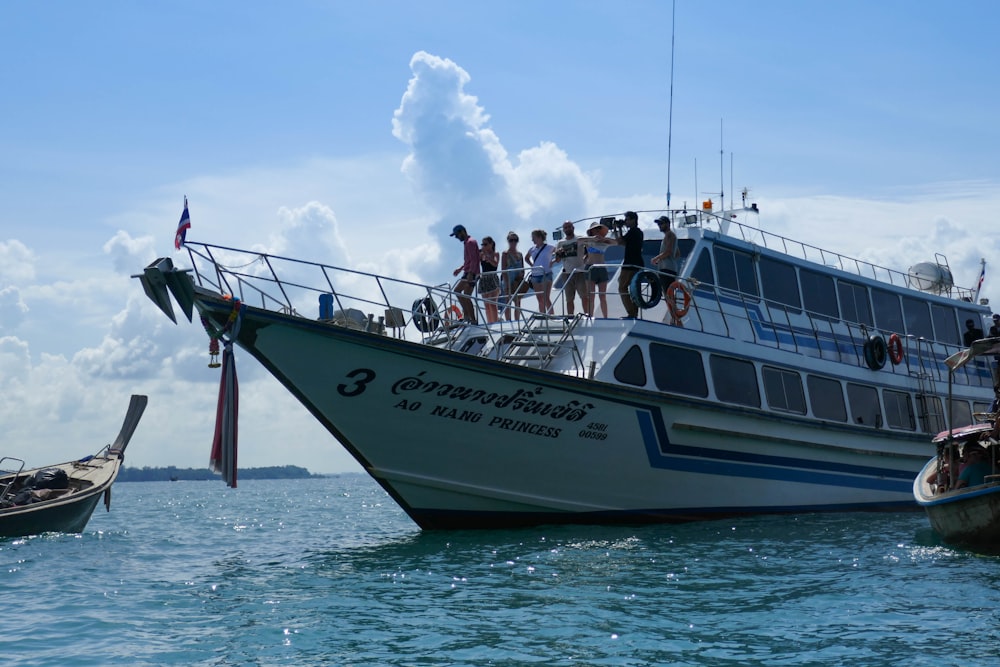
{"points": [[864, 127]]}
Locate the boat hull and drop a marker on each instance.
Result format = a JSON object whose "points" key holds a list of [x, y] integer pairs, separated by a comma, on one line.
{"points": [[969, 516], [462, 441], [67, 514]]}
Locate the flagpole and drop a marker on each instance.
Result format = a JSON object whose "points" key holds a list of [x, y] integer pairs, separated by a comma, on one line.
{"points": [[979, 283]]}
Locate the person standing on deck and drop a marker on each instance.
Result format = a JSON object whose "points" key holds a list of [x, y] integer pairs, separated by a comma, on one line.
{"points": [[632, 262], [570, 251], [666, 261], [469, 271]]}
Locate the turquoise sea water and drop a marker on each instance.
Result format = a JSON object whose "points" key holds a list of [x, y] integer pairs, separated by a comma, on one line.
{"points": [[331, 572]]}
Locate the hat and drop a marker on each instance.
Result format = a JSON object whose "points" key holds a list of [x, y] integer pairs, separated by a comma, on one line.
{"points": [[662, 220], [594, 226], [456, 230]]}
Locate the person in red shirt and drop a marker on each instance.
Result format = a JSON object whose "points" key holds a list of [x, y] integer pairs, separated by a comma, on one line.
{"points": [[469, 271]]}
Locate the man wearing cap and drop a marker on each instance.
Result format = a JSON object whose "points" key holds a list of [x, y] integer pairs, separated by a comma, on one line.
{"points": [[666, 261], [469, 271], [570, 251], [632, 262]]}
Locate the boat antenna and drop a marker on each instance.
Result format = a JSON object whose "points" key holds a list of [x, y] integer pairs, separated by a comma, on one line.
{"points": [[670, 117], [722, 171]]}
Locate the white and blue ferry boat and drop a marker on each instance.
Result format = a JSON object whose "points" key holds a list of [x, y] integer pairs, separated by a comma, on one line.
{"points": [[778, 378]]}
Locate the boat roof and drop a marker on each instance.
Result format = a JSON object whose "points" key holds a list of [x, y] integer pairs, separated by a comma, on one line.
{"points": [[980, 348], [962, 432]]}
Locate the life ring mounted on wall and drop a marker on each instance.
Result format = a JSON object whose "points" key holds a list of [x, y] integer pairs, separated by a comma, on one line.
{"points": [[895, 349], [678, 307], [645, 289], [875, 351]]}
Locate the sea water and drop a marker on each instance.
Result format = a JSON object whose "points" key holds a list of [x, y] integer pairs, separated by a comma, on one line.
{"points": [[331, 572]]}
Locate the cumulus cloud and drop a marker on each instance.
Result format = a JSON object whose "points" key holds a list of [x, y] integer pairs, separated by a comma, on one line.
{"points": [[17, 263], [12, 308], [129, 254], [460, 167]]}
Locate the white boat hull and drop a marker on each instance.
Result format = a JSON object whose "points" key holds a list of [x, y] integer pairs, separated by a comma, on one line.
{"points": [[968, 516], [465, 441]]}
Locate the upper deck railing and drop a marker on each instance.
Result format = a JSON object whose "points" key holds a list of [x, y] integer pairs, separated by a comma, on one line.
{"points": [[725, 223]]}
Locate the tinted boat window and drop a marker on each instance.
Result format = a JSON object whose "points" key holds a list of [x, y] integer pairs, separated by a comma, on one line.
{"points": [[819, 294], [961, 415], [735, 271], [888, 314], [854, 306], [898, 410], [918, 318], [826, 398], [735, 381], [931, 414], [977, 319], [702, 270], [631, 370], [864, 405], [678, 370], [778, 283], [945, 324], [783, 390]]}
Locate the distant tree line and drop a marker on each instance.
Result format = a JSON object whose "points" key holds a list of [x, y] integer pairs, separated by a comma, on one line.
{"points": [[173, 473]]}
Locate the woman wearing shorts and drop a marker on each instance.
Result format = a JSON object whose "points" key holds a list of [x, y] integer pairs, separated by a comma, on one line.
{"points": [[597, 273], [540, 260]]}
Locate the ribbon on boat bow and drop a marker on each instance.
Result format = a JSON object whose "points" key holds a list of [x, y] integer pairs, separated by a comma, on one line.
{"points": [[223, 457]]}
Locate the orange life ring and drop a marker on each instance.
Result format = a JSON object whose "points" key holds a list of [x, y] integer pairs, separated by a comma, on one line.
{"points": [[678, 312], [454, 314], [895, 349]]}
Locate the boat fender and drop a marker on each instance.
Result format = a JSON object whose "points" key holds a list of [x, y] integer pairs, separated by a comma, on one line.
{"points": [[895, 349], [678, 308], [425, 317], [875, 352], [652, 283]]}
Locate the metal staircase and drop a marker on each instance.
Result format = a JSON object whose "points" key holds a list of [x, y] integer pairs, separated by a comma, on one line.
{"points": [[542, 339]]}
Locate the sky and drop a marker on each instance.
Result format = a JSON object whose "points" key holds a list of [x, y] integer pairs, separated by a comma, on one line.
{"points": [[359, 133]]}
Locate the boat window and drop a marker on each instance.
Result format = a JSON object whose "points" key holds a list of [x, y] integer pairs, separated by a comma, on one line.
{"points": [[702, 271], [819, 296], [735, 381], [964, 316], [888, 314], [931, 413], [826, 398], [854, 305], [678, 370], [783, 390], [735, 271], [474, 345], [945, 324], [980, 407], [918, 318], [778, 283], [865, 409], [685, 246], [631, 369], [898, 410], [961, 415]]}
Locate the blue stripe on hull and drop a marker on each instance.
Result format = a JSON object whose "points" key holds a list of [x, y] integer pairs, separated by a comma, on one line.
{"points": [[683, 458]]}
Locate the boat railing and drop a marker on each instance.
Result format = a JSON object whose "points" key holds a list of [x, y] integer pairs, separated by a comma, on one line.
{"points": [[725, 223]]}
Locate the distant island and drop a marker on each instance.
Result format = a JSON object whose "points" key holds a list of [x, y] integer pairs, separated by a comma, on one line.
{"points": [[174, 474]]}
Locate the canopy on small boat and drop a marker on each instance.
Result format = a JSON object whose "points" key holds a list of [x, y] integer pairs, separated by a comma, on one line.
{"points": [[979, 348]]}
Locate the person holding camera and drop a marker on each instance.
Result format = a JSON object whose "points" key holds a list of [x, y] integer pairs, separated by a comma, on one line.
{"points": [[539, 258], [632, 262]]}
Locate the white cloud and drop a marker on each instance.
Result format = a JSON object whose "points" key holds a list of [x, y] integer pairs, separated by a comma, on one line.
{"points": [[12, 308], [129, 254], [17, 263]]}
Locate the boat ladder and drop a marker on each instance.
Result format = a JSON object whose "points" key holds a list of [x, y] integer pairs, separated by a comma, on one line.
{"points": [[542, 339]]}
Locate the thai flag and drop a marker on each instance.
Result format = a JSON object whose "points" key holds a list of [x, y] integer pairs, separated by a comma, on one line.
{"points": [[183, 226], [982, 275]]}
